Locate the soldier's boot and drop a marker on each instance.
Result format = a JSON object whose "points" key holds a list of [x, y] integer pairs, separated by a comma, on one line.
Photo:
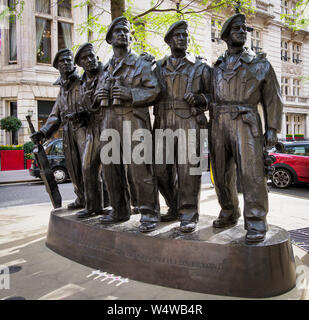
{"points": [[147, 226], [254, 236], [85, 213], [149, 219], [121, 214], [226, 220], [110, 219], [171, 215], [187, 226], [77, 204], [108, 210]]}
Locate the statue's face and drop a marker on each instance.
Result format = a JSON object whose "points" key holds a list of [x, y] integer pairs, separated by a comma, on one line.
{"points": [[65, 64], [179, 39], [88, 60], [121, 36], [238, 33]]}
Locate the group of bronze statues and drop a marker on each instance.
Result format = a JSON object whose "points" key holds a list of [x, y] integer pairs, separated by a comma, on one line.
{"points": [[180, 87]]}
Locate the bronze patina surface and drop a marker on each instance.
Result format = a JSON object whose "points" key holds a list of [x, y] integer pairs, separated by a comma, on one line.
{"points": [[208, 260]]}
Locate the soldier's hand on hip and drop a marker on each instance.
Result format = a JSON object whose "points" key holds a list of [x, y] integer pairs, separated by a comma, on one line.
{"points": [[122, 93], [271, 137], [194, 100], [37, 136]]}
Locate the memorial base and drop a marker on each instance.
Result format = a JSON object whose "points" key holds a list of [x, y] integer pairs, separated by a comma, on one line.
{"points": [[208, 260]]}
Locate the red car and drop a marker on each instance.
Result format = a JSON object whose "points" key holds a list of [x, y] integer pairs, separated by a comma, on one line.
{"points": [[291, 165]]}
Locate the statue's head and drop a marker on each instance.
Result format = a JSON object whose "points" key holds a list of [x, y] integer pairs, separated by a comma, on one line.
{"points": [[85, 57], [177, 36], [234, 30], [63, 61], [119, 33]]}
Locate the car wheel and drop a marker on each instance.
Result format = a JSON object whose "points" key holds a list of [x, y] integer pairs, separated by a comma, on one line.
{"points": [[60, 175], [281, 178]]}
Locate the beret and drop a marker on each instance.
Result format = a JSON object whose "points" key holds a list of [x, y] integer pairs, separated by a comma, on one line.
{"points": [[59, 53], [227, 24], [173, 27], [118, 20], [81, 48]]}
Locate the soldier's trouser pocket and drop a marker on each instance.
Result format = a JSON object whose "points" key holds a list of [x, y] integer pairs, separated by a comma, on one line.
{"points": [[252, 120]]}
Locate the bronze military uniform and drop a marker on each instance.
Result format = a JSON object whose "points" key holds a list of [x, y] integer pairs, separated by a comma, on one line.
{"points": [[136, 74], [242, 81], [74, 134], [178, 77], [96, 197]]}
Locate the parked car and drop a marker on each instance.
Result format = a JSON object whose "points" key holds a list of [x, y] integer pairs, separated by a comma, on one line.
{"points": [[54, 152], [291, 165]]}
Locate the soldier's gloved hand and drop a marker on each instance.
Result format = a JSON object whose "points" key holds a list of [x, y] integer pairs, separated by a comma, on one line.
{"points": [[194, 100], [122, 93], [37, 136], [101, 94], [271, 137]]}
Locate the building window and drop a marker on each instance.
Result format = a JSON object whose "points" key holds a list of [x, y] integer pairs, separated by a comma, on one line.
{"points": [[284, 51], [256, 42], [13, 113], [42, 6], [284, 7], [295, 124], [12, 35], [298, 124], [296, 87], [296, 51], [215, 32], [65, 8], [43, 40], [285, 90], [64, 35], [56, 16]]}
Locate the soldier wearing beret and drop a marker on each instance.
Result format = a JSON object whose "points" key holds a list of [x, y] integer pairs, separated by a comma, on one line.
{"points": [[68, 113], [96, 197], [185, 86], [242, 80], [133, 88]]}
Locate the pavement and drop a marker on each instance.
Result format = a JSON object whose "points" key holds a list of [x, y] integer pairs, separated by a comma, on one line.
{"points": [[46, 275], [16, 176]]}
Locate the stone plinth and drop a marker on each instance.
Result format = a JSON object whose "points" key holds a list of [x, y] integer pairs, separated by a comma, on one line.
{"points": [[207, 261]]}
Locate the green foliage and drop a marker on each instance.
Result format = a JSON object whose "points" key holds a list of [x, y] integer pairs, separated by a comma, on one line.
{"points": [[11, 147], [299, 17], [28, 147], [154, 22], [29, 156], [16, 9], [10, 124]]}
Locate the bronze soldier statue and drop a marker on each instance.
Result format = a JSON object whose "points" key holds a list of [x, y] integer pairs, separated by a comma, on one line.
{"points": [[96, 197], [242, 80], [185, 82], [133, 88], [68, 113]]}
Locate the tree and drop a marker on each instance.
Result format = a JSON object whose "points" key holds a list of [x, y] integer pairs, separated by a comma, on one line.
{"points": [[10, 124], [156, 20]]}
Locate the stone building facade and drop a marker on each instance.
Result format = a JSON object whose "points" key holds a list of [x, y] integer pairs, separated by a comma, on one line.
{"points": [[29, 45]]}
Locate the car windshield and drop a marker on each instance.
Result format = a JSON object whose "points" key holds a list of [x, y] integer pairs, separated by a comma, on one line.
{"points": [[48, 146]]}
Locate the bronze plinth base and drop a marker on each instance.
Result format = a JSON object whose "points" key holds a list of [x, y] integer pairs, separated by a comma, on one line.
{"points": [[207, 261]]}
